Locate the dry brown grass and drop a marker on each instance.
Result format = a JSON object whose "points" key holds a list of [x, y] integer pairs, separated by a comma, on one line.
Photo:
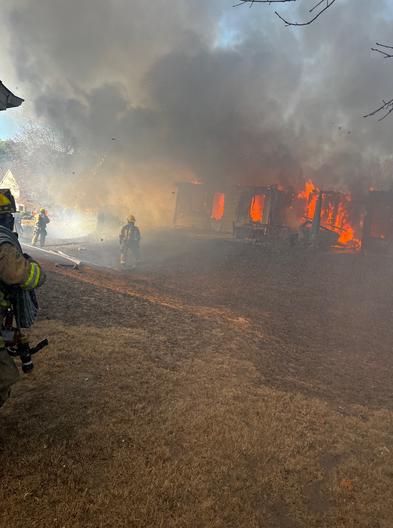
{"points": [[147, 414]]}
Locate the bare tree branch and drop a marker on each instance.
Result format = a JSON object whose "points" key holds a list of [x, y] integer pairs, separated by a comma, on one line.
{"points": [[387, 55], [387, 106], [321, 6], [328, 3], [384, 46]]}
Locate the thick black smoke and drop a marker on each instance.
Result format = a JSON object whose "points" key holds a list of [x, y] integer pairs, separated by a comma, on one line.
{"points": [[150, 93]]}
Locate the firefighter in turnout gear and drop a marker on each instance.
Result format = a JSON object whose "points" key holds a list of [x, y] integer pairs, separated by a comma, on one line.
{"points": [[130, 237], [41, 221], [18, 272]]}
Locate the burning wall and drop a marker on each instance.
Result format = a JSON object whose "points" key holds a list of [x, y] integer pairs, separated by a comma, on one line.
{"points": [[203, 206], [338, 213], [251, 209]]}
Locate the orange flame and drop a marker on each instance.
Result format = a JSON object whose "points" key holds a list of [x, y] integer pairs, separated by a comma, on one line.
{"points": [[309, 195], [333, 217], [347, 233], [256, 207], [218, 206]]}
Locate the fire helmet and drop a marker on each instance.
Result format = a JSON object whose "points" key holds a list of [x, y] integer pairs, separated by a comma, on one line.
{"points": [[131, 219], [7, 202], [42, 210]]}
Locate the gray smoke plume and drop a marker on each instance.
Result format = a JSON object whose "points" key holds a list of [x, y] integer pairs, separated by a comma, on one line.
{"points": [[149, 93]]}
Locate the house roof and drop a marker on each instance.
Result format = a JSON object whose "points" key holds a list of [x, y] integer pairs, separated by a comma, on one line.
{"points": [[9, 182], [20, 185], [8, 99]]}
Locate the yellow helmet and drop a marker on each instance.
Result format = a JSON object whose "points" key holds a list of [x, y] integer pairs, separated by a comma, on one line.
{"points": [[42, 210], [7, 202], [131, 219]]}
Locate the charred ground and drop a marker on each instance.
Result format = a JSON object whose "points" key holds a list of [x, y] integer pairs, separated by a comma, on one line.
{"points": [[219, 385]]}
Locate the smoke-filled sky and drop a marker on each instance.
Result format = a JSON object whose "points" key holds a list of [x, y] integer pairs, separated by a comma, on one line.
{"points": [[199, 89]]}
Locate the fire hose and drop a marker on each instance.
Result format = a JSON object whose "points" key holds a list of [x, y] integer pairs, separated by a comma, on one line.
{"points": [[55, 255], [24, 351], [21, 314]]}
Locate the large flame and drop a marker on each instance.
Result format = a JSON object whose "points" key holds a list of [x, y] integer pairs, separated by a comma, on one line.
{"points": [[218, 206], [347, 234], [335, 214], [256, 207], [310, 197]]}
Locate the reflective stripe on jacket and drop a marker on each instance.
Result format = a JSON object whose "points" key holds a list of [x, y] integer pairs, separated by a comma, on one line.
{"points": [[17, 270], [34, 278]]}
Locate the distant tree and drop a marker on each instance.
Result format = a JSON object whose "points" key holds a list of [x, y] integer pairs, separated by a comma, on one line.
{"points": [[37, 154], [7, 150]]}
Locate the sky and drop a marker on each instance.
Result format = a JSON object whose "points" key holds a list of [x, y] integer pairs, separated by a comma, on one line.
{"points": [[9, 126], [194, 89]]}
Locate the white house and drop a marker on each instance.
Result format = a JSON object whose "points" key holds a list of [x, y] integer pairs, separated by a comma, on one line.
{"points": [[9, 182]]}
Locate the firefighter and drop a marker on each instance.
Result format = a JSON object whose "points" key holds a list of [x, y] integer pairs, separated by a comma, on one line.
{"points": [[130, 237], [16, 269], [18, 224], [41, 221]]}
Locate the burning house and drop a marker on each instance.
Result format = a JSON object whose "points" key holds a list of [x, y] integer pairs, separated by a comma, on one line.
{"points": [[244, 211], [252, 213]]}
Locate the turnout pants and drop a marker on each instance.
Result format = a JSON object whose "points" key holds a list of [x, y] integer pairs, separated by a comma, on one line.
{"points": [[39, 234], [130, 247]]}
